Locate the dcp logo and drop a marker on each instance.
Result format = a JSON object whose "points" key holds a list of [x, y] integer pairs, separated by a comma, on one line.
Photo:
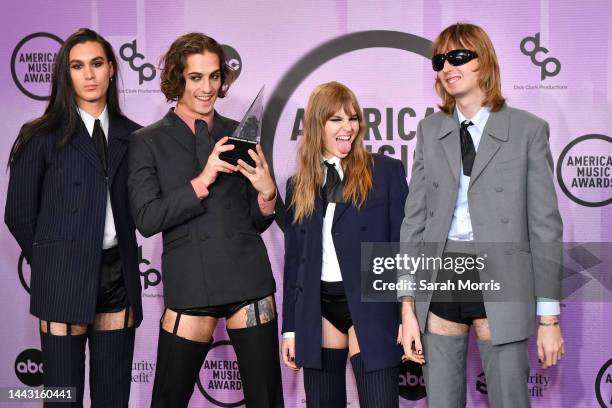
{"points": [[152, 277], [129, 52], [232, 59], [29, 368], [532, 52]]}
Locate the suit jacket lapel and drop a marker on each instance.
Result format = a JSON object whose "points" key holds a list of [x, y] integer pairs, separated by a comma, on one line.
{"points": [[318, 212], [83, 143], [179, 131], [339, 212], [117, 145], [449, 138], [495, 131]]}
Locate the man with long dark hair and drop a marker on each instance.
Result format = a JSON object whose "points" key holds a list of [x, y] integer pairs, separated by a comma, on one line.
{"points": [[481, 193], [210, 214], [67, 207]]}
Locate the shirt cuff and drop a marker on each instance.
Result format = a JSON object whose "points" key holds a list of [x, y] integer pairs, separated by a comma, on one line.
{"points": [[406, 286], [288, 335], [548, 307], [266, 207], [200, 189]]}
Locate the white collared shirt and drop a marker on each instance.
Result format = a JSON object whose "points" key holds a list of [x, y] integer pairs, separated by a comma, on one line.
{"points": [[330, 268], [461, 225], [110, 234]]}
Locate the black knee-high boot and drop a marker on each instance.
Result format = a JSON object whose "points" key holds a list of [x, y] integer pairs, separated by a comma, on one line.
{"points": [[376, 389], [326, 388], [110, 367], [64, 364], [178, 365], [258, 359]]}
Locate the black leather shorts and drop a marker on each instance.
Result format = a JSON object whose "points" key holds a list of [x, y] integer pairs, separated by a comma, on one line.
{"points": [[334, 306], [456, 305], [112, 295], [220, 311]]}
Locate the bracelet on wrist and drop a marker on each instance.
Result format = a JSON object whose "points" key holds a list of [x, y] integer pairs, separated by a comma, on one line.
{"points": [[549, 323]]}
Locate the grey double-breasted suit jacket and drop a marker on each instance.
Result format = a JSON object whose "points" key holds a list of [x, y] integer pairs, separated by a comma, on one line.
{"points": [[512, 205]]}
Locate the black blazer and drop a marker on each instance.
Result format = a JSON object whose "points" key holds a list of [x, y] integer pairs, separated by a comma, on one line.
{"points": [[380, 219], [213, 253], [55, 209]]}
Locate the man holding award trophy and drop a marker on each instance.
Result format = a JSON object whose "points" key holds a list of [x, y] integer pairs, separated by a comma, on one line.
{"points": [[211, 213]]}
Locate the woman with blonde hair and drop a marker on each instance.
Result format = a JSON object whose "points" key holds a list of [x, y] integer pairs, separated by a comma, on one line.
{"points": [[340, 196]]}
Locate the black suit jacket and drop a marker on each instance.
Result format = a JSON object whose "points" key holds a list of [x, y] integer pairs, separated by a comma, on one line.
{"points": [[56, 208], [379, 220], [213, 253]]}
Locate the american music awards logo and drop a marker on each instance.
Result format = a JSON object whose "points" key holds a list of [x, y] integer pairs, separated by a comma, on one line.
{"points": [[603, 385], [390, 130], [584, 170], [219, 380], [32, 64]]}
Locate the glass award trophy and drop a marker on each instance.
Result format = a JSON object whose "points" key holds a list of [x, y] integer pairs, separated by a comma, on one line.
{"points": [[248, 133]]}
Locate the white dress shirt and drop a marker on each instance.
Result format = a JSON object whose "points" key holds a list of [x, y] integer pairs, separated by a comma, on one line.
{"points": [[110, 234], [461, 224], [330, 269]]}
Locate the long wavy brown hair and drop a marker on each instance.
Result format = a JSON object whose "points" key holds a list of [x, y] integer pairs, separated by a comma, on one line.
{"points": [[323, 103], [473, 38], [173, 64]]}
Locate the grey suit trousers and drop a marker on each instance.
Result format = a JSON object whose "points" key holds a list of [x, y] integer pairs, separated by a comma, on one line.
{"points": [[506, 368]]}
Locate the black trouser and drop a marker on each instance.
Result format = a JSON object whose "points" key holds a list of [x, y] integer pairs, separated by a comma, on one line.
{"points": [[179, 361], [110, 364], [110, 351]]}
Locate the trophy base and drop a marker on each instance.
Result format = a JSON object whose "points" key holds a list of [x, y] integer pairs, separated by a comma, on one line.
{"points": [[240, 151]]}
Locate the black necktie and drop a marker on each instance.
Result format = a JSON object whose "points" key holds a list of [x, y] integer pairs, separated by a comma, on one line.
{"points": [[203, 137], [100, 142], [468, 153], [331, 192]]}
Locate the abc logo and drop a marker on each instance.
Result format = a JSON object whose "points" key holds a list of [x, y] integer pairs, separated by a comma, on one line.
{"points": [[29, 368], [533, 51], [411, 381], [232, 59]]}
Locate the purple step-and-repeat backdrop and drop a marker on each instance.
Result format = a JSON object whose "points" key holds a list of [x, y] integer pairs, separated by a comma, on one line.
{"points": [[556, 61]]}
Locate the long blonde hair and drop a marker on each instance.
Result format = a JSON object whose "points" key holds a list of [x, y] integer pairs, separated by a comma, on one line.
{"points": [[323, 103], [474, 38]]}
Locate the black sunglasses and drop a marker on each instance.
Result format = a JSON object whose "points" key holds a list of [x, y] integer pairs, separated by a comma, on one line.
{"points": [[454, 57]]}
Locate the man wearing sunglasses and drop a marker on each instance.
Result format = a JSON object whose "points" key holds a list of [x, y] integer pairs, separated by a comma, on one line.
{"points": [[482, 183]]}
